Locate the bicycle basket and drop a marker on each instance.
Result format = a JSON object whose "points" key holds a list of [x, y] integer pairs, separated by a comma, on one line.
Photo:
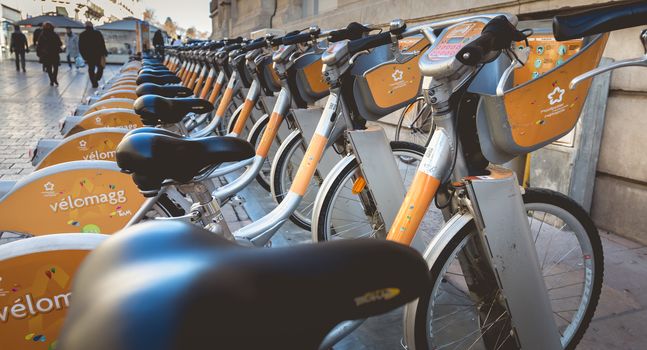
{"points": [[388, 86], [537, 107], [309, 77], [267, 76]]}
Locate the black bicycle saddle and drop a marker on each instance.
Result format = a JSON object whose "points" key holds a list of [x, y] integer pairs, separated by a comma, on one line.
{"points": [[163, 90], [157, 79], [153, 157], [172, 286], [157, 72], [158, 109]]}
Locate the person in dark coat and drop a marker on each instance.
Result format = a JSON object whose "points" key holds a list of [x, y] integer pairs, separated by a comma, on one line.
{"points": [[49, 49], [93, 50], [158, 42], [19, 46], [36, 35]]}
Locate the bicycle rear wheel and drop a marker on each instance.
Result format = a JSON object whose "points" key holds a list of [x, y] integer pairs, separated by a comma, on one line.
{"points": [[570, 257]]}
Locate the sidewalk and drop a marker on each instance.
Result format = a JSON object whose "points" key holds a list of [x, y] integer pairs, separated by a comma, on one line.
{"points": [[31, 110]]}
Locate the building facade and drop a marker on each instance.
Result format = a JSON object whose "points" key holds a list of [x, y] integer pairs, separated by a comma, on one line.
{"points": [[620, 194]]}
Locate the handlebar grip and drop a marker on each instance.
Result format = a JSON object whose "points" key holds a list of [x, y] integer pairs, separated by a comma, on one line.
{"points": [[353, 31], [369, 42], [498, 34], [256, 44], [232, 47], [279, 40], [237, 40], [475, 51], [600, 20], [299, 38]]}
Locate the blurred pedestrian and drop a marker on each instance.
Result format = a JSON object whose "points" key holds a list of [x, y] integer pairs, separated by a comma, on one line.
{"points": [[49, 49], [94, 52], [158, 42], [35, 36], [19, 46], [72, 47], [177, 41]]}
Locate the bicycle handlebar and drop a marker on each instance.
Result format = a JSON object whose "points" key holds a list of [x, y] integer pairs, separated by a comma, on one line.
{"points": [[300, 38], [498, 34], [369, 42], [600, 20], [256, 44], [353, 31], [275, 41]]}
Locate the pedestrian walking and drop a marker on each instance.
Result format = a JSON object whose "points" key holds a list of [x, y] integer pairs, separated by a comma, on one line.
{"points": [[36, 35], [94, 52], [158, 42], [19, 46], [72, 47], [49, 49]]}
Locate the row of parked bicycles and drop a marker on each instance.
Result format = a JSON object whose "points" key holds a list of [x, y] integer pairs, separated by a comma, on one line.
{"points": [[128, 203]]}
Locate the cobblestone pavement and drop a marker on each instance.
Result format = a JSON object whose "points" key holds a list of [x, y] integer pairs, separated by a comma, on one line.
{"points": [[30, 110]]}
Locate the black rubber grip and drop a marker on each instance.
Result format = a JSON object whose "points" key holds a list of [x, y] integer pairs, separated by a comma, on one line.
{"points": [[256, 44], [369, 42], [600, 20], [353, 31], [232, 47], [299, 38], [279, 40], [498, 34], [237, 40], [474, 52]]}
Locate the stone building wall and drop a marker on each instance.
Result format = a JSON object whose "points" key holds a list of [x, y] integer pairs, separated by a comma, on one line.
{"points": [[620, 195]]}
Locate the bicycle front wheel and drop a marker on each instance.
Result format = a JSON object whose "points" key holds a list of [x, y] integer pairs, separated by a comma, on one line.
{"points": [[570, 258], [348, 210]]}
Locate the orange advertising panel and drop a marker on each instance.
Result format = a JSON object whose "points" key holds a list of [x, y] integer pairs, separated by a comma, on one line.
{"points": [[544, 108], [95, 146], [35, 294], [79, 200], [109, 119], [111, 103], [121, 93], [395, 83], [315, 78]]}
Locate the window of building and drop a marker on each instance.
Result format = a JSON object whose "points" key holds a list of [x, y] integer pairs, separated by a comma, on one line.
{"points": [[315, 7]]}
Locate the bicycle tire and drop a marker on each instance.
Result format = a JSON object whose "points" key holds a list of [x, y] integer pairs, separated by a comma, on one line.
{"points": [[404, 114], [532, 197]]}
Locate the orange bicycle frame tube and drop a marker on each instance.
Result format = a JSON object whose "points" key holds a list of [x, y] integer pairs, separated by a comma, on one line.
{"points": [[207, 85], [198, 84], [217, 87], [413, 208]]}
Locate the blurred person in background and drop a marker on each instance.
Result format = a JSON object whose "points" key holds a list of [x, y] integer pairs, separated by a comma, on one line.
{"points": [[158, 42], [72, 47], [93, 50], [19, 46], [49, 49]]}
